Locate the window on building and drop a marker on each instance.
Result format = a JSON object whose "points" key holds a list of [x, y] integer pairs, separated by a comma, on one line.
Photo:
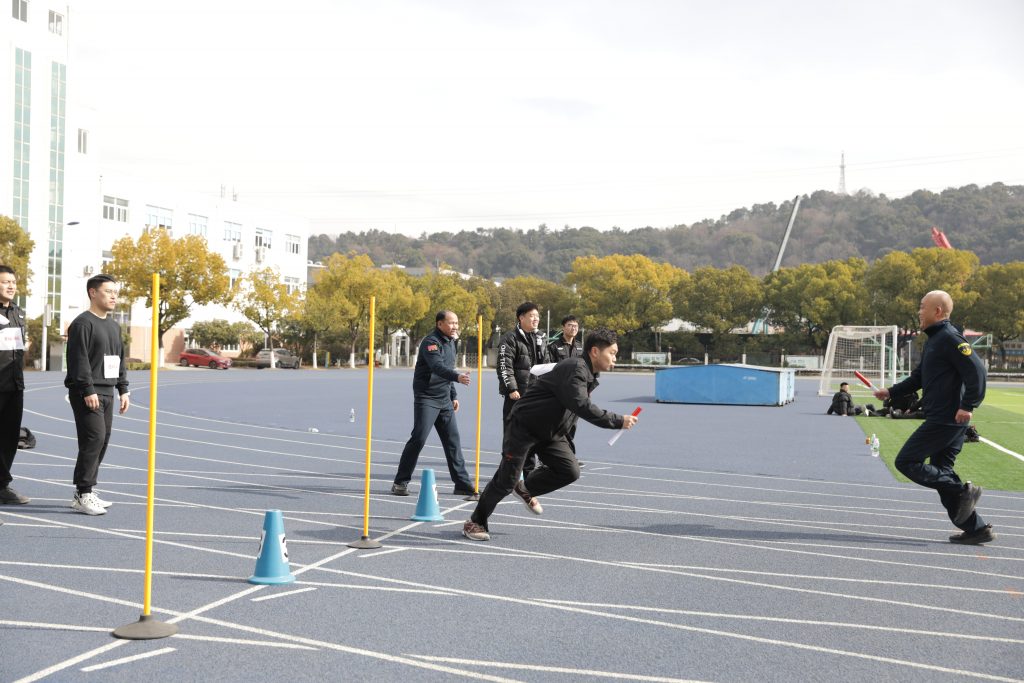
{"points": [[263, 237], [19, 9], [292, 284], [56, 22], [233, 277], [197, 225], [291, 244], [115, 209], [159, 217], [83, 141], [232, 232]]}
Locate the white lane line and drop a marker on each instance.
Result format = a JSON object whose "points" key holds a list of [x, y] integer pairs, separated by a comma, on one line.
{"points": [[274, 596], [996, 446], [60, 666], [558, 669], [364, 556], [596, 469], [783, 620], [176, 636], [39, 526], [127, 660], [452, 523]]}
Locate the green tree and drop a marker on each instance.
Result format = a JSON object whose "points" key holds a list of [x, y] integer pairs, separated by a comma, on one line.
{"points": [[624, 293], [442, 291], [719, 300], [15, 250], [810, 299], [190, 274], [894, 284], [552, 300], [999, 305], [218, 332], [266, 301]]}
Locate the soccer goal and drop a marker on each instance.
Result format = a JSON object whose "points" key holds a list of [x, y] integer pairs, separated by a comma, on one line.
{"points": [[868, 349]]}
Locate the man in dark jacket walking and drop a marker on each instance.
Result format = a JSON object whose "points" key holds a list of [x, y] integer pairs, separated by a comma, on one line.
{"points": [[953, 381], [540, 421], [12, 382], [435, 405]]}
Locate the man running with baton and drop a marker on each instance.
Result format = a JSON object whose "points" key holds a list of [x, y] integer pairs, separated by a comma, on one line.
{"points": [[540, 422]]}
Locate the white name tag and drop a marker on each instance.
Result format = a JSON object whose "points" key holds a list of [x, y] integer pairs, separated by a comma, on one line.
{"points": [[111, 367], [11, 339]]}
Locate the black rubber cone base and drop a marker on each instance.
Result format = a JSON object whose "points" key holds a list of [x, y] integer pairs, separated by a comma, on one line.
{"points": [[473, 496], [365, 543], [146, 628]]}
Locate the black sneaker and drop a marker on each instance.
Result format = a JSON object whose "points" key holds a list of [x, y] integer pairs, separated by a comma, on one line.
{"points": [[459, 491], [982, 535], [9, 496], [968, 499], [400, 489]]}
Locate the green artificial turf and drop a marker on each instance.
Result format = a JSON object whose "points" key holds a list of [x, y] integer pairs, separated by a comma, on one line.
{"points": [[1000, 419]]}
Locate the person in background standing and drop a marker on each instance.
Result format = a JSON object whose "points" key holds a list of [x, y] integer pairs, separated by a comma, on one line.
{"points": [[96, 370], [12, 382]]}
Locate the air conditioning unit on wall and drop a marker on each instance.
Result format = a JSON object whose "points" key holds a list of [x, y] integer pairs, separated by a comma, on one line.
{"points": [[261, 254], [236, 252], [88, 271]]}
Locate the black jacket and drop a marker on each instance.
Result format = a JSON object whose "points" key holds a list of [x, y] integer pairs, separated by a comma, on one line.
{"points": [[12, 363], [842, 404], [558, 349], [517, 353], [434, 378], [950, 374], [556, 399]]}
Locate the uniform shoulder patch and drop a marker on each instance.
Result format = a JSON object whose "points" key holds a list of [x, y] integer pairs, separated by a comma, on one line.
{"points": [[964, 348], [431, 347]]}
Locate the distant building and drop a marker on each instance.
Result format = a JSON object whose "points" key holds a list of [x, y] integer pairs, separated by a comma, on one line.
{"points": [[54, 186]]}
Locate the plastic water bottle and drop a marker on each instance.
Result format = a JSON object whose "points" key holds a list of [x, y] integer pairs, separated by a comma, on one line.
{"points": [[314, 430], [875, 446], [352, 415]]}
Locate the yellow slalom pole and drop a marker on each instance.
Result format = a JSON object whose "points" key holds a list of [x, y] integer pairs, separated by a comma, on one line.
{"points": [[365, 541], [479, 392], [147, 628]]}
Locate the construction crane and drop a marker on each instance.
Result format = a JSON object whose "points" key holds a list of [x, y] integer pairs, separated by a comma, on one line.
{"points": [[759, 324], [940, 240]]}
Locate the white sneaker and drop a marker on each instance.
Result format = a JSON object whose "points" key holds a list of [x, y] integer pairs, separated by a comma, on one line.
{"points": [[87, 504], [102, 503]]}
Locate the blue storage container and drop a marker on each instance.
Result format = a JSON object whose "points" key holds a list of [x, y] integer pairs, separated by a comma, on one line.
{"points": [[726, 384]]}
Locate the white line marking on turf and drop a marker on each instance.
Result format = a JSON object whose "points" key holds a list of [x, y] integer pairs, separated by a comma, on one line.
{"points": [[558, 669], [996, 446], [364, 556], [127, 660], [273, 596]]}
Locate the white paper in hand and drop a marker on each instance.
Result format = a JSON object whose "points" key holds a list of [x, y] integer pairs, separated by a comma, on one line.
{"points": [[541, 369]]}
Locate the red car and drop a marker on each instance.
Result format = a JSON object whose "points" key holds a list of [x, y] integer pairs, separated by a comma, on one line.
{"points": [[203, 358]]}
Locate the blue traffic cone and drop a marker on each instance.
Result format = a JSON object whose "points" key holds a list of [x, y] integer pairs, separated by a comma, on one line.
{"points": [[272, 561], [427, 509]]}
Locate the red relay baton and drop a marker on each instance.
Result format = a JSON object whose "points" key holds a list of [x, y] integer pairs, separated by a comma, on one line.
{"points": [[615, 437], [865, 380]]}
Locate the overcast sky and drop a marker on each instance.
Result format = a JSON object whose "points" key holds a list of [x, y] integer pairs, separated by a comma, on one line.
{"points": [[415, 116]]}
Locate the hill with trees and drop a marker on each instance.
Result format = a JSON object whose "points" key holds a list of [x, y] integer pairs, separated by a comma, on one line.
{"points": [[988, 221]]}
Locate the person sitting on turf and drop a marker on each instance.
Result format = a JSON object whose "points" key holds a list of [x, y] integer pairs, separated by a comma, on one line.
{"points": [[842, 402], [540, 422]]}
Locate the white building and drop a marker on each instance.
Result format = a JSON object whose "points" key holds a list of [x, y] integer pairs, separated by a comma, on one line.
{"points": [[55, 187]]}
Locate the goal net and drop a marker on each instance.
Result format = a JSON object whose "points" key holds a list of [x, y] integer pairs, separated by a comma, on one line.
{"points": [[868, 349]]}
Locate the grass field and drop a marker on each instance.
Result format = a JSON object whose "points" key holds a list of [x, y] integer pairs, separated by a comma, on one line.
{"points": [[999, 419]]}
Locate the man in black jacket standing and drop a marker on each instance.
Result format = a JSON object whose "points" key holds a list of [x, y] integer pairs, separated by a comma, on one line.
{"points": [[519, 350], [435, 405], [566, 343], [12, 382], [96, 369], [953, 381], [541, 420]]}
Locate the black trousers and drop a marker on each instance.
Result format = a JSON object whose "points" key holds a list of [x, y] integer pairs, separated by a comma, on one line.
{"points": [[442, 419], [938, 444], [12, 404], [559, 469], [506, 416], [93, 427]]}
